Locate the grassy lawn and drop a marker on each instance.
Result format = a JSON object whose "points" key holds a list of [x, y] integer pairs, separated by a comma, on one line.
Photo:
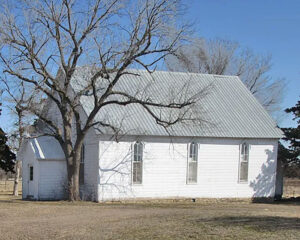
{"points": [[204, 219]]}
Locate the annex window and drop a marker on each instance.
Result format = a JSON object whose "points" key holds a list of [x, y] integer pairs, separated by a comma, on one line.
{"points": [[81, 167], [137, 163], [31, 173], [244, 162], [192, 163]]}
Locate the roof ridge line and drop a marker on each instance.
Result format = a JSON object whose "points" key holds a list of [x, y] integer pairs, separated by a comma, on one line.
{"points": [[175, 72]]}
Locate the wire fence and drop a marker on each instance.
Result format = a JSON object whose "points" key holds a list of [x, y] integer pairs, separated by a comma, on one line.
{"points": [[7, 186]]}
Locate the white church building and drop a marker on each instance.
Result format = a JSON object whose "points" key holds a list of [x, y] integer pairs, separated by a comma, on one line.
{"points": [[233, 154]]}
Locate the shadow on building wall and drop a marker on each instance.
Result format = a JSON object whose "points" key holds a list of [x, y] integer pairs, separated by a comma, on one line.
{"points": [[115, 178], [264, 184]]}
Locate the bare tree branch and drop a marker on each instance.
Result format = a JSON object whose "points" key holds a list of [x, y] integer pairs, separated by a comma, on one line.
{"points": [[224, 57], [44, 42]]}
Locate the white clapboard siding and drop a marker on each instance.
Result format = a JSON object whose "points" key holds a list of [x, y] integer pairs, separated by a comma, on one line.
{"points": [[52, 179], [28, 158], [108, 170], [165, 165], [91, 165]]}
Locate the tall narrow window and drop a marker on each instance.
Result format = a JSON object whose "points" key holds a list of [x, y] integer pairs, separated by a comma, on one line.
{"points": [[137, 163], [81, 167], [244, 162], [192, 163], [31, 173]]}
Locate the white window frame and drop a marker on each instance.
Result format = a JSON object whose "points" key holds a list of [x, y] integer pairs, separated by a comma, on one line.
{"points": [[192, 159], [244, 158], [141, 162]]}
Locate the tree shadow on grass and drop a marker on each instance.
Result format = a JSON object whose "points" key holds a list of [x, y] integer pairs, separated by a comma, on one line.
{"points": [[283, 201], [259, 223]]}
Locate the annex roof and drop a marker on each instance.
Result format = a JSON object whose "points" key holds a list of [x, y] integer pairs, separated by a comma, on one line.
{"points": [[46, 148]]}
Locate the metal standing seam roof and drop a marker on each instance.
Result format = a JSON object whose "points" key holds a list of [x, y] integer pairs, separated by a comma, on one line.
{"points": [[228, 109], [46, 147]]}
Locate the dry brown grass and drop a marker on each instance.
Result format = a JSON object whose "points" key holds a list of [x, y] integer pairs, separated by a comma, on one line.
{"points": [[204, 219], [291, 187]]}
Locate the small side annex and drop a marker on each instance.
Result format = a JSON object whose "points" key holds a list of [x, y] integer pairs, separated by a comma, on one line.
{"points": [[43, 169]]}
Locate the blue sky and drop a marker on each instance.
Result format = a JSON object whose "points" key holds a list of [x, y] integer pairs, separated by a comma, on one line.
{"points": [[265, 26]]}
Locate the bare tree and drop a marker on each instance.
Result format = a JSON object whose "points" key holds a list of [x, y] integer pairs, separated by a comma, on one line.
{"points": [[42, 37], [224, 57], [17, 101]]}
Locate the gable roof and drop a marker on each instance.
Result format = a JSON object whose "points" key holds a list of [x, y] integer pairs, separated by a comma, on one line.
{"points": [[46, 148], [229, 110]]}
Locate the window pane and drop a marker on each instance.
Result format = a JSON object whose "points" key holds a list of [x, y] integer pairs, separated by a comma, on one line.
{"points": [[31, 173], [191, 150], [81, 166], [137, 165], [244, 171], [243, 149], [193, 153], [192, 177], [138, 152], [135, 149], [81, 173], [82, 154], [192, 163], [245, 158], [195, 157], [137, 172]]}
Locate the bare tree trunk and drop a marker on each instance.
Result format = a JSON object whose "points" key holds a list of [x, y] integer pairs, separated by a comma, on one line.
{"points": [[73, 154], [17, 175], [73, 179], [18, 163]]}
